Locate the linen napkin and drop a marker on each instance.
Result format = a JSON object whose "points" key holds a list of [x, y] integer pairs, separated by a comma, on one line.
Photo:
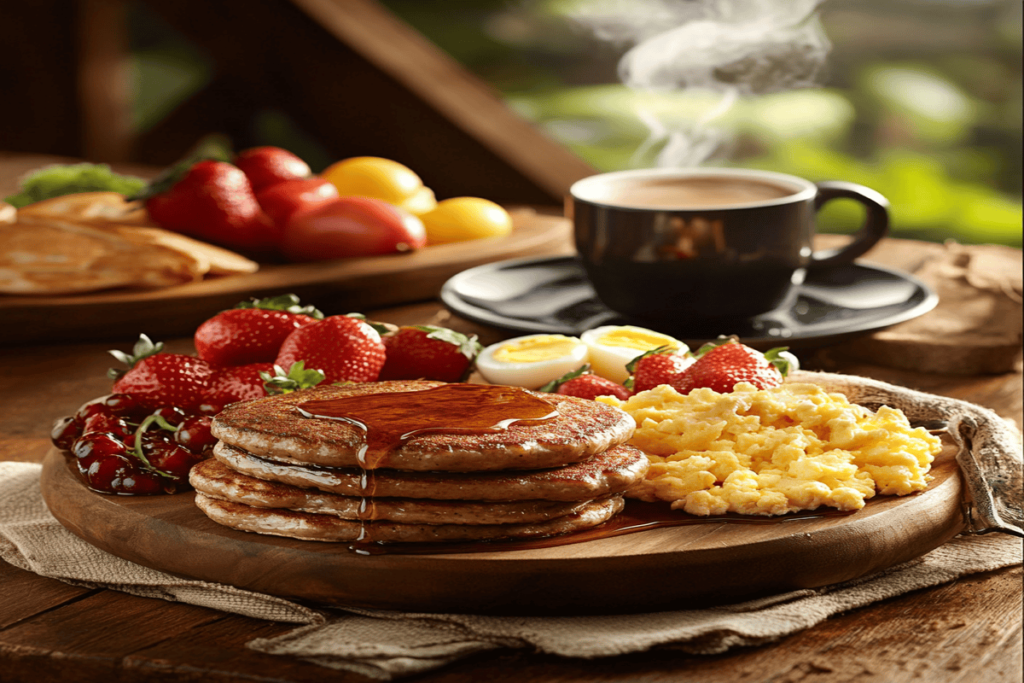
{"points": [[388, 645]]}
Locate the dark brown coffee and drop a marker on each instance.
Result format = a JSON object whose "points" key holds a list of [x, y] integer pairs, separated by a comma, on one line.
{"points": [[695, 192]]}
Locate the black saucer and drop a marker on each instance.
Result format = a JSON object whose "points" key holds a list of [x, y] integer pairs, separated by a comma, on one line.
{"points": [[553, 295]]}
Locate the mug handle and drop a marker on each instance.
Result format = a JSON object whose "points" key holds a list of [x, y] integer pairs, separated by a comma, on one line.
{"points": [[876, 224]]}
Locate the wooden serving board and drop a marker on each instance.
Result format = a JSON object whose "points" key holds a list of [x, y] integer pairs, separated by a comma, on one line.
{"points": [[657, 569], [336, 287]]}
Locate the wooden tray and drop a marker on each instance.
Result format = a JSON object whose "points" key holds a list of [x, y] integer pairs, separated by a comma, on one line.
{"points": [[337, 287], [658, 569]]}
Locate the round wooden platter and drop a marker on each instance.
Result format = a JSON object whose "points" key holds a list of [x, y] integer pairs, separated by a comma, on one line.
{"points": [[657, 569], [337, 287]]}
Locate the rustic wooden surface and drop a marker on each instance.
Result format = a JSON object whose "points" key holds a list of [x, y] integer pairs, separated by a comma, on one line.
{"points": [[711, 563], [965, 631]]}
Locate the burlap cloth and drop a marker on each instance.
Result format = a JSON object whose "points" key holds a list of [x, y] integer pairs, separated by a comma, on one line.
{"points": [[388, 645]]}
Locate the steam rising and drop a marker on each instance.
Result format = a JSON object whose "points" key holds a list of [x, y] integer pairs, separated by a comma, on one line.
{"points": [[733, 47]]}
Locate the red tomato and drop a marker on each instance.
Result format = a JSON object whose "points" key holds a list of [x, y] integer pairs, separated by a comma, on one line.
{"points": [[281, 200], [266, 166], [351, 226]]}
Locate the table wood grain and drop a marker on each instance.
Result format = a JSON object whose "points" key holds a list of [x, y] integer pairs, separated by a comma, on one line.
{"points": [[968, 630]]}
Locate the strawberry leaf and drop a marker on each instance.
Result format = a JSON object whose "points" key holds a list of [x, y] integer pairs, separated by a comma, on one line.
{"points": [[553, 385], [144, 348], [382, 328], [631, 365], [468, 345], [284, 302], [722, 339], [297, 377], [784, 361]]}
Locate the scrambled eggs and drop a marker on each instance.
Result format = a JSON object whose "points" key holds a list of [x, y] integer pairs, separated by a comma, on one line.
{"points": [[794, 447]]}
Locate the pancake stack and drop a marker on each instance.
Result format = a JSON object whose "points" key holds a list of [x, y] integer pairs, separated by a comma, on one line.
{"points": [[400, 462]]}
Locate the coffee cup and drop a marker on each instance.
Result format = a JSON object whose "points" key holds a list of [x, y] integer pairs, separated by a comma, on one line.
{"points": [[667, 245]]}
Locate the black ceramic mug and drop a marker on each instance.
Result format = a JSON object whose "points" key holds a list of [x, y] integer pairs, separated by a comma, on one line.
{"points": [[707, 243]]}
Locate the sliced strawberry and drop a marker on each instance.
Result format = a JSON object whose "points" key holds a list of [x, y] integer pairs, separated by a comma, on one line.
{"points": [[723, 364], [237, 383], [662, 365], [253, 331], [344, 348], [428, 352], [584, 384], [158, 379]]}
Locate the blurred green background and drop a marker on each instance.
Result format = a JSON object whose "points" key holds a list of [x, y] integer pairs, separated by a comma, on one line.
{"points": [[920, 100]]}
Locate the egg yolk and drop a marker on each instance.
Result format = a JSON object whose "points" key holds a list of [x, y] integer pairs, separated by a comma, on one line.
{"points": [[635, 338], [536, 349]]}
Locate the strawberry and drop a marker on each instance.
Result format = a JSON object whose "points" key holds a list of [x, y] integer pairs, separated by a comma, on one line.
{"points": [[343, 347], [584, 384], [213, 201], [267, 166], [157, 379], [252, 332], [427, 352], [723, 364], [658, 366], [237, 383]]}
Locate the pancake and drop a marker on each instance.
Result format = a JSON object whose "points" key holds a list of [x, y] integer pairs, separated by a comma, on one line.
{"points": [[216, 480], [604, 474], [274, 428], [314, 527]]}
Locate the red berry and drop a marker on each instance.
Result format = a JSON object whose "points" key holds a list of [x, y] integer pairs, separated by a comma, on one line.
{"points": [[267, 166], [241, 383], [195, 435], [584, 384], [173, 459], [64, 432], [138, 482], [722, 367], [104, 420], [171, 414], [344, 348], [208, 407], [592, 386], [106, 473], [658, 366], [124, 406], [88, 447], [166, 379], [214, 201], [242, 336], [426, 352]]}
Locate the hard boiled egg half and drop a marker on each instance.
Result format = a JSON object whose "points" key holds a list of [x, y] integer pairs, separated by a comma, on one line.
{"points": [[611, 347], [531, 361]]}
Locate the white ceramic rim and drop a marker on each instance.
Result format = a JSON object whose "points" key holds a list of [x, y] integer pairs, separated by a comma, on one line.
{"points": [[589, 189]]}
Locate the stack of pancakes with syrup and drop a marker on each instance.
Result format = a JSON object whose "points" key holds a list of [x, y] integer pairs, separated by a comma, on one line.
{"points": [[417, 462]]}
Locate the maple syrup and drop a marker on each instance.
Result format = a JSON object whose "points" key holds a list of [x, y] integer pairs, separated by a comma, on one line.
{"points": [[389, 420]]}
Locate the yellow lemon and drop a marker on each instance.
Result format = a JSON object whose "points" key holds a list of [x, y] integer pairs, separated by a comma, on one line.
{"points": [[379, 178], [465, 218]]}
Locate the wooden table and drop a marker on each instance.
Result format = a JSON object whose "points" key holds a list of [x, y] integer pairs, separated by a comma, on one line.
{"points": [[49, 631]]}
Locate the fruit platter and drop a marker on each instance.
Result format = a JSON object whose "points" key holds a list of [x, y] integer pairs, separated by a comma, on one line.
{"points": [[347, 461], [97, 254]]}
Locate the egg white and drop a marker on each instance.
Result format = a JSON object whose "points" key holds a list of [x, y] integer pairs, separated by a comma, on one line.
{"points": [[530, 375], [610, 361]]}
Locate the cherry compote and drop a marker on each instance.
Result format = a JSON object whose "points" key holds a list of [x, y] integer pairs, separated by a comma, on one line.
{"points": [[122, 448], [194, 434]]}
